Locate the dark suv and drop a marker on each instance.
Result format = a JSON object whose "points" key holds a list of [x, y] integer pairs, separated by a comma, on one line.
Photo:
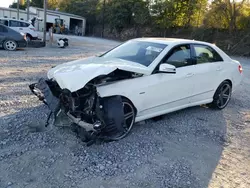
{"points": [[10, 39]]}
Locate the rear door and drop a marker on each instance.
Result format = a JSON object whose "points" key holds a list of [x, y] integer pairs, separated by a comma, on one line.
{"points": [[15, 25], [207, 72]]}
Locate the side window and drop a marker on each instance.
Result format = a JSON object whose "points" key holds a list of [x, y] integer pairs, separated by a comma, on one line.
{"points": [[179, 56], [4, 22], [205, 54], [3, 29], [14, 23], [23, 24]]}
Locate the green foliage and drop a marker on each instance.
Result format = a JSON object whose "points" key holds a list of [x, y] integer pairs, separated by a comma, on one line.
{"points": [[178, 13], [164, 14], [226, 14], [53, 4], [37, 3], [14, 5], [122, 14], [85, 8]]}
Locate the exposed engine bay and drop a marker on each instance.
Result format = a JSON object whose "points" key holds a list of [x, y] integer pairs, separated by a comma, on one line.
{"points": [[101, 118]]}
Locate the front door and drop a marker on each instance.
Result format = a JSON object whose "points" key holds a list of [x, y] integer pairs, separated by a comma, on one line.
{"points": [[166, 91]]}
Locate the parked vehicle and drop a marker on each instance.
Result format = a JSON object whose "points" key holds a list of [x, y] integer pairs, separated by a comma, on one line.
{"points": [[138, 80], [11, 39], [21, 26]]}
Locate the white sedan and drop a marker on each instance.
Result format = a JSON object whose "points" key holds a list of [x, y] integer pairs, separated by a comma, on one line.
{"points": [[139, 79]]}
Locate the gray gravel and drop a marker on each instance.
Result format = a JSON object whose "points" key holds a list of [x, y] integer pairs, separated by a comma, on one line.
{"points": [[197, 147]]}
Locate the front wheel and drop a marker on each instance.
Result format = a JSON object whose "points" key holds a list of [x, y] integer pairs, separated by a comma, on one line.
{"points": [[129, 117], [222, 96]]}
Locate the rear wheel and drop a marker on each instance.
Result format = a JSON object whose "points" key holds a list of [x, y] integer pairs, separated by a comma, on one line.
{"points": [[222, 96], [10, 45]]}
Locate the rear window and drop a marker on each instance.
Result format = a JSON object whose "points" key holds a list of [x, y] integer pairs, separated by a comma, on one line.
{"points": [[4, 22], [3, 29], [23, 24]]}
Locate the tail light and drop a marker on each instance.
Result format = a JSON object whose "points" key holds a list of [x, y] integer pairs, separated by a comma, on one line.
{"points": [[33, 29], [240, 69]]}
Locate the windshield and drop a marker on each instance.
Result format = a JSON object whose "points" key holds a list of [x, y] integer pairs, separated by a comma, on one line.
{"points": [[137, 51]]}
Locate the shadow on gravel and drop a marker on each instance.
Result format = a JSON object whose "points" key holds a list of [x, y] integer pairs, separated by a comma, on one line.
{"points": [[180, 150]]}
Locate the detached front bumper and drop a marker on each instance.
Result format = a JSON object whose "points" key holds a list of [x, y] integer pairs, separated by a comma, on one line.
{"points": [[43, 92]]}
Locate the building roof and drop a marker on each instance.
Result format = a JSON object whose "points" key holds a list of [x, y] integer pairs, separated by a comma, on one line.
{"points": [[59, 12], [13, 9]]}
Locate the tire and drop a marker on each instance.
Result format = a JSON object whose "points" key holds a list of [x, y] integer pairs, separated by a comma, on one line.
{"points": [[130, 110], [222, 96], [10, 45]]}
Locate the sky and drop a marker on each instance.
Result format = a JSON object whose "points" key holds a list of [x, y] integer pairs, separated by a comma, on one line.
{"points": [[5, 3]]}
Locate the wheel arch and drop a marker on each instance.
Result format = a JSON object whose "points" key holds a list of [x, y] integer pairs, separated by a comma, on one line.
{"points": [[126, 98], [28, 34], [226, 80], [230, 82]]}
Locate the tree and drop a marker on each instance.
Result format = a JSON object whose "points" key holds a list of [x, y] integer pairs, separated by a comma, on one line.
{"points": [[85, 8], [53, 4], [14, 5], [178, 13], [125, 14], [37, 3], [22, 4], [225, 14]]}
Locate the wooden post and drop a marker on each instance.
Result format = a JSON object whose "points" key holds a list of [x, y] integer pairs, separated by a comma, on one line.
{"points": [[50, 36], [28, 10], [45, 21], [103, 17], [18, 9]]}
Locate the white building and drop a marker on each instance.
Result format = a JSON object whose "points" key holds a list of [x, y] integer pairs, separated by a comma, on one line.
{"points": [[12, 13], [70, 20]]}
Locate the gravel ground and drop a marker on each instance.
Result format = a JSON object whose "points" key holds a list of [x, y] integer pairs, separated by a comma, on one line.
{"points": [[196, 147]]}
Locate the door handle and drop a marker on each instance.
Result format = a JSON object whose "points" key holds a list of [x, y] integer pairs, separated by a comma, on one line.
{"points": [[20, 28], [189, 74]]}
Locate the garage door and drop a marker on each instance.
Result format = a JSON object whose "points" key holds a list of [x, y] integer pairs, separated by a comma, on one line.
{"points": [[51, 18]]}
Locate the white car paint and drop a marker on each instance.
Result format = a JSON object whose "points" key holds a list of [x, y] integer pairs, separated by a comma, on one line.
{"points": [[153, 94], [29, 30], [87, 69]]}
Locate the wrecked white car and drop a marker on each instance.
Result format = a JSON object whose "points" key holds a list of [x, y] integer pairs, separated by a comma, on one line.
{"points": [[140, 79]]}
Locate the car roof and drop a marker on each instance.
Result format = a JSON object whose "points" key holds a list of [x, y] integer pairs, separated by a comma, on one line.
{"points": [[9, 29], [1, 18], [171, 41]]}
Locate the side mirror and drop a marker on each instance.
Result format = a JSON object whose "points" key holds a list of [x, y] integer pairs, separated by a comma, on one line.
{"points": [[167, 68]]}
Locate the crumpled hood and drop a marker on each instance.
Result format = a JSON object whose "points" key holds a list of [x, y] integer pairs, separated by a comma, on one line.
{"points": [[76, 74]]}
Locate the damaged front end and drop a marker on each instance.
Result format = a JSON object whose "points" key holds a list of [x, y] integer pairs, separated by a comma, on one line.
{"points": [[97, 117]]}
